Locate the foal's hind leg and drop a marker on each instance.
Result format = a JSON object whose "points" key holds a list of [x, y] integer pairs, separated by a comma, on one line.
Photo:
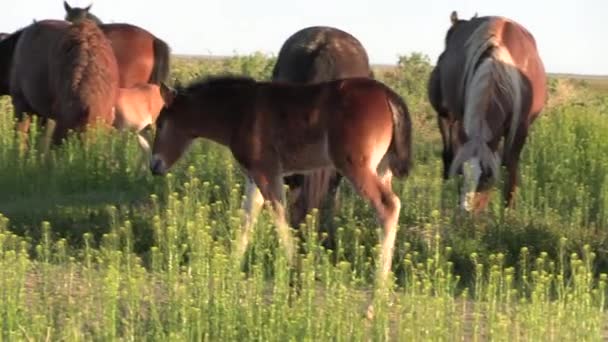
{"points": [[377, 191]]}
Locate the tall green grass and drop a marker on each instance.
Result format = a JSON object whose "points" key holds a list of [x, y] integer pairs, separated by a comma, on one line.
{"points": [[92, 247]]}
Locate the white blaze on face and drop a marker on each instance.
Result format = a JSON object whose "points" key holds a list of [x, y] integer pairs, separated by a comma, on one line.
{"points": [[472, 174]]}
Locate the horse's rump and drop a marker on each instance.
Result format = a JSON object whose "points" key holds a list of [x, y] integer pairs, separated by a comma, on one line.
{"points": [[84, 73], [141, 57], [29, 75]]}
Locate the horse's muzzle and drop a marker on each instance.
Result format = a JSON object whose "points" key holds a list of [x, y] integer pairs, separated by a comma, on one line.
{"points": [[157, 166]]}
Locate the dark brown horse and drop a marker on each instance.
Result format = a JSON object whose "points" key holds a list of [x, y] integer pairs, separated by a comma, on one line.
{"points": [[311, 55], [489, 84], [358, 126], [142, 57], [64, 72]]}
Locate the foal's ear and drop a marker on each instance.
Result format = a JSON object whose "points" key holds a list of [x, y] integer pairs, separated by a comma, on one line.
{"points": [[167, 93], [454, 17], [475, 16], [88, 8], [67, 6]]}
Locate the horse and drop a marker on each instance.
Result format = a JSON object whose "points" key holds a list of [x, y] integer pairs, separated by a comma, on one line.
{"points": [[488, 87], [316, 54], [358, 126], [142, 57], [64, 72], [136, 108], [74, 14]]}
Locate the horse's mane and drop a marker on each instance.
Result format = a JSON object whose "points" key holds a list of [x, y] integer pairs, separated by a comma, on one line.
{"points": [[86, 65], [216, 81]]}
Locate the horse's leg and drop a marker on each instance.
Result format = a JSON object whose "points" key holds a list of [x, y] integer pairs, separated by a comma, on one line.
{"points": [[447, 155], [60, 133], [49, 130], [271, 187], [23, 121], [252, 205], [295, 198], [511, 161], [377, 190]]}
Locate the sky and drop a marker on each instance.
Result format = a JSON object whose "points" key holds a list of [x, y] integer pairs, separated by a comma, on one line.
{"points": [[571, 35]]}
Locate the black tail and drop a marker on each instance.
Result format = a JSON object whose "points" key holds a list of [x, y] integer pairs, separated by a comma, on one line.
{"points": [[162, 59]]}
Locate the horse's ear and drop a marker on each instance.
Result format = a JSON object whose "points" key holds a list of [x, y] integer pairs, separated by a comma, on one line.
{"points": [[454, 17], [67, 6], [167, 93], [475, 16], [88, 8]]}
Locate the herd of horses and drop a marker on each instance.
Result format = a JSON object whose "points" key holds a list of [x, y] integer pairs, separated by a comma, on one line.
{"points": [[321, 118]]}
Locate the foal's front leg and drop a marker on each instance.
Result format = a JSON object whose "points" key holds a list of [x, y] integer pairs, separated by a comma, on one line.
{"points": [[251, 206], [271, 187]]}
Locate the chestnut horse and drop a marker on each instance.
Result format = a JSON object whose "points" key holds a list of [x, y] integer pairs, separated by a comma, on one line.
{"points": [[136, 108], [489, 83], [311, 55], [358, 126], [65, 72], [142, 57]]}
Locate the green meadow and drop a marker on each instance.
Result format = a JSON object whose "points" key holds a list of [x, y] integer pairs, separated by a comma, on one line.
{"points": [[93, 247]]}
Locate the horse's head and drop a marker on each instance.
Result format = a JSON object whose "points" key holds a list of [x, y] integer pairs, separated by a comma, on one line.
{"points": [[455, 24], [173, 135], [76, 14]]}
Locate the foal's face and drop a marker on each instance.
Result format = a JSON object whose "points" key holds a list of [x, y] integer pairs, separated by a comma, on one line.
{"points": [[172, 137]]}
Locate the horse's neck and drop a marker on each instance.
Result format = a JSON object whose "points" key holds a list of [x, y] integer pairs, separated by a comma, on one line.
{"points": [[218, 121]]}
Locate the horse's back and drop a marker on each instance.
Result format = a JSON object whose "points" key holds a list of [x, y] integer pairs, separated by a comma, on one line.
{"points": [[520, 44], [31, 63], [84, 75], [320, 53], [136, 52]]}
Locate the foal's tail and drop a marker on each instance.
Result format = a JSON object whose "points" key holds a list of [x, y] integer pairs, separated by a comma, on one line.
{"points": [[162, 56], [400, 150]]}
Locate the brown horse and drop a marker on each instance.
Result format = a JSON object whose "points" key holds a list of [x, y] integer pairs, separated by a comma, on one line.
{"points": [[311, 55], [64, 72], [489, 84], [358, 126], [142, 57], [136, 108]]}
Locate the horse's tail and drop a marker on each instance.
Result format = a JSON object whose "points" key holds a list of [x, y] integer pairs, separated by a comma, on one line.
{"points": [[400, 150], [162, 59], [490, 80]]}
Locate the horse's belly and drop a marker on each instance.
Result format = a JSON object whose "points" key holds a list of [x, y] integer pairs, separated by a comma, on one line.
{"points": [[305, 157]]}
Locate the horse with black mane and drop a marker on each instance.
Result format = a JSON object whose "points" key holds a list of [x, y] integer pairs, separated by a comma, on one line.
{"points": [[64, 72], [488, 87], [317, 54], [358, 126]]}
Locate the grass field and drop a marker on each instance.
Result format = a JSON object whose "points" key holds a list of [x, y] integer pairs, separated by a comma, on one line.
{"points": [[92, 247]]}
